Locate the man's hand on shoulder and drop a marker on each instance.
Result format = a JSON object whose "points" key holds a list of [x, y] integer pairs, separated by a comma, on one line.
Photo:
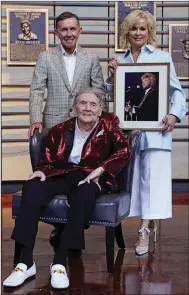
{"points": [[112, 66], [33, 126], [39, 174]]}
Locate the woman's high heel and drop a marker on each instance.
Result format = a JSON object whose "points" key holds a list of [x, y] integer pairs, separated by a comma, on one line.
{"points": [[153, 230], [144, 234]]}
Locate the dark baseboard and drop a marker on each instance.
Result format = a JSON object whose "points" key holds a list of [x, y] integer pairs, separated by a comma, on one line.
{"points": [[180, 185], [11, 187]]}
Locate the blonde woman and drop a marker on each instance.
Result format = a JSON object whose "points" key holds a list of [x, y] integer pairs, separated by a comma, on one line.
{"points": [[152, 192]]}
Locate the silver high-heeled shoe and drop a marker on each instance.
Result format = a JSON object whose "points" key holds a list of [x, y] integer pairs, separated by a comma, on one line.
{"points": [[153, 229], [145, 234]]}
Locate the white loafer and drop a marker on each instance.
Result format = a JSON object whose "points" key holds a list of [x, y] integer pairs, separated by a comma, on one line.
{"points": [[59, 279], [19, 275]]}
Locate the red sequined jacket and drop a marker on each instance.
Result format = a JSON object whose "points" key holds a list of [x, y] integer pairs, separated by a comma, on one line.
{"points": [[107, 146]]}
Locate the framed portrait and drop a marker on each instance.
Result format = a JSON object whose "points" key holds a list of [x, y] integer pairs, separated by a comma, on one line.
{"points": [[27, 35], [179, 49], [122, 9], [141, 93]]}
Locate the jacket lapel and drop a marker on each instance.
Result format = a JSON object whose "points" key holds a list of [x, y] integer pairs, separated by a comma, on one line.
{"points": [[60, 65], [80, 65], [152, 89], [145, 97], [69, 137]]}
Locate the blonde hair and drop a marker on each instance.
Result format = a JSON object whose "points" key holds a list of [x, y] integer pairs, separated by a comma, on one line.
{"points": [[128, 23], [151, 77]]}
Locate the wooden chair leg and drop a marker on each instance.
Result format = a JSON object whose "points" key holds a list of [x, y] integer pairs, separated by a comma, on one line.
{"points": [[117, 270], [17, 253], [110, 234], [119, 236], [119, 260]]}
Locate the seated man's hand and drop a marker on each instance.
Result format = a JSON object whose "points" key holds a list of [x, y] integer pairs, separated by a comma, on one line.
{"points": [[39, 174], [94, 176], [33, 126]]}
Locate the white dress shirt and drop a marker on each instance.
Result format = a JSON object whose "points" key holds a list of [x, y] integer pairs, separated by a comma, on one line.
{"points": [[79, 141], [70, 61]]}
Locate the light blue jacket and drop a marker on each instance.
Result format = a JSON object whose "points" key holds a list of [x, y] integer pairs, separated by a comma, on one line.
{"points": [[155, 139]]}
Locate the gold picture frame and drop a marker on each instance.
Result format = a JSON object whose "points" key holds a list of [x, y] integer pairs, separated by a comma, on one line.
{"points": [[27, 35], [122, 9], [141, 95]]}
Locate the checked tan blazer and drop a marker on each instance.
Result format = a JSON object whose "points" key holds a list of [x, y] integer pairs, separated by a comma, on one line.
{"points": [[50, 73]]}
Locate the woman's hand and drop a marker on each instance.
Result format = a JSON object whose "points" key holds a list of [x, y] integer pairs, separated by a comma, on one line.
{"points": [[169, 123]]}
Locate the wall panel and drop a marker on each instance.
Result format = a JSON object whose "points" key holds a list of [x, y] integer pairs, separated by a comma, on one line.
{"points": [[97, 21]]}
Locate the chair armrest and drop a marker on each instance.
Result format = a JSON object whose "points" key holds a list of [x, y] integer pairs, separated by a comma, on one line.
{"points": [[36, 146]]}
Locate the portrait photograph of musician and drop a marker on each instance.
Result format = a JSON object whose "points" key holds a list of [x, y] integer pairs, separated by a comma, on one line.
{"points": [[141, 96]]}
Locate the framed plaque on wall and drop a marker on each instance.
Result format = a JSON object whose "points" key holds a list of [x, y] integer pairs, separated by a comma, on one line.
{"points": [[179, 49], [122, 9], [27, 35]]}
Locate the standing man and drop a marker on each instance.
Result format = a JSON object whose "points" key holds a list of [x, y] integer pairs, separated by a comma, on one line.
{"points": [[63, 71]]}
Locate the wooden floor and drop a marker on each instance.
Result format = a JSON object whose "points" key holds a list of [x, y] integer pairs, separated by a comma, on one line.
{"points": [[165, 272]]}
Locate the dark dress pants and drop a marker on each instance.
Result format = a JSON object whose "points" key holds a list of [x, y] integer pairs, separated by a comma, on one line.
{"points": [[36, 194]]}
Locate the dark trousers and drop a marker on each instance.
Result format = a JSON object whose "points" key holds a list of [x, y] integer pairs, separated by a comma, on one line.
{"points": [[36, 194]]}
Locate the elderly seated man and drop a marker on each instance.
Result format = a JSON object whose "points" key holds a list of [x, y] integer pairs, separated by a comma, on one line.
{"points": [[82, 159]]}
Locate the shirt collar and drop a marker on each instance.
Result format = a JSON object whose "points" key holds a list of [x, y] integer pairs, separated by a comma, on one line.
{"points": [[85, 133], [144, 47], [66, 54], [148, 89]]}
